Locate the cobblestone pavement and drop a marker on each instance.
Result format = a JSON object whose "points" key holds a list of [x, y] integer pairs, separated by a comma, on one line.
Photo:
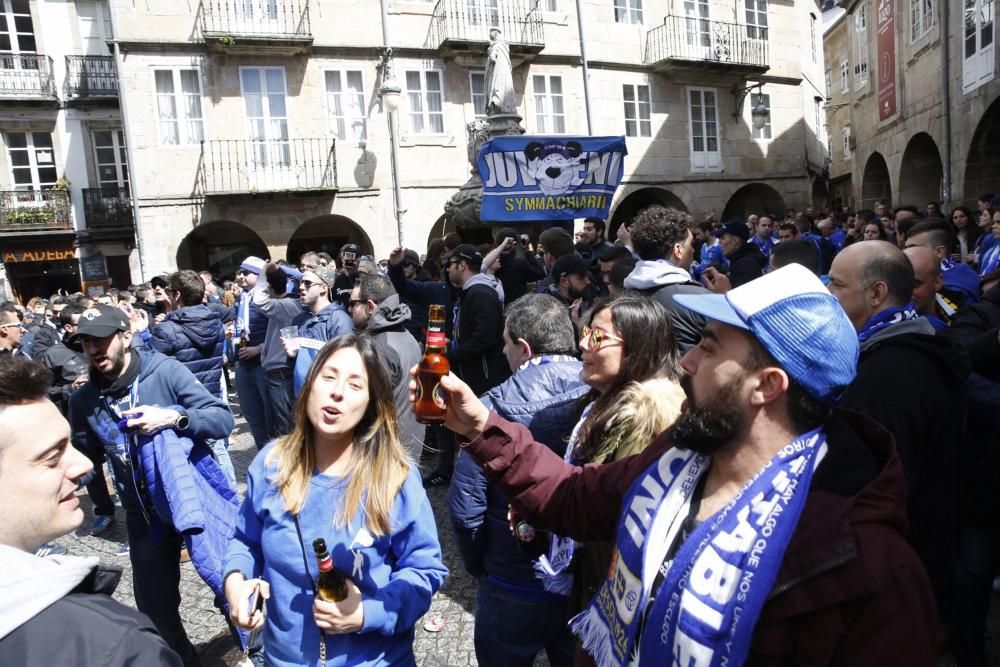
{"points": [[455, 602]]}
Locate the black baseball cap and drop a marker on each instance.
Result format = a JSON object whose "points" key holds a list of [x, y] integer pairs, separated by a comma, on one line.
{"points": [[100, 321], [161, 280], [570, 265], [734, 227], [466, 252]]}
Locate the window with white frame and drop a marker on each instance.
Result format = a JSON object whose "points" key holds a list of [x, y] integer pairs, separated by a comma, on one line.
{"points": [[178, 106], [818, 111], [861, 45], [110, 159], [482, 12], [637, 110], [845, 77], [477, 93], [32, 160], [847, 142], [425, 97], [829, 82], [628, 11], [812, 38], [264, 98], [977, 43], [345, 104], [17, 32], [94, 21], [703, 122], [921, 18], [756, 14], [756, 100], [550, 115], [548, 5]]}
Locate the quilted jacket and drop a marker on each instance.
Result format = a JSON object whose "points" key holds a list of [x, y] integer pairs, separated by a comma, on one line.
{"points": [[190, 492], [194, 335]]}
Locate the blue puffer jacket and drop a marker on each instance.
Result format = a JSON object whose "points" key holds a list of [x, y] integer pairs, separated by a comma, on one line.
{"points": [[542, 396], [194, 335], [325, 325]]}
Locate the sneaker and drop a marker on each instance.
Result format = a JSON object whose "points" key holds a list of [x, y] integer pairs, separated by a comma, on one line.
{"points": [[123, 550], [101, 525], [437, 479], [50, 549]]}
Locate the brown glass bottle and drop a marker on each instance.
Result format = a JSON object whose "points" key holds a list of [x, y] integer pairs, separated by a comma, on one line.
{"points": [[331, 585], [528, 539], [430, 406]]}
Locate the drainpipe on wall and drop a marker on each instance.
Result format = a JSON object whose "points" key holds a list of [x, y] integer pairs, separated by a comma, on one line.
{"points": [[129, 150], [393, 139], [946, 194], [583, 57]]}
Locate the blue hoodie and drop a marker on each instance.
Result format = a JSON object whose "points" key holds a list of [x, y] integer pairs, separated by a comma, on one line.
{"points": [[325, 325], [194, 336], [397, 573]]}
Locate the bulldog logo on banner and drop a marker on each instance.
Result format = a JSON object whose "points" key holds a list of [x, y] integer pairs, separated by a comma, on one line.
{"points": [[549, 178]]}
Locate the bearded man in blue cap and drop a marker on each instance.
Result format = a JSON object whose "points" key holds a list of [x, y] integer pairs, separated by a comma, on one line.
{"points": [[763, 527]]}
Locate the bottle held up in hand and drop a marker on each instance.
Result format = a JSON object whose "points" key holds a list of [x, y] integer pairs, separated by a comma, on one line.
{"points": [[430, 406], [331, 584]]}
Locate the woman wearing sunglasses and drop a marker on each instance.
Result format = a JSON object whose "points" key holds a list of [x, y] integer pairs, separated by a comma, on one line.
{"points": [[341, 475], [631, 362]]}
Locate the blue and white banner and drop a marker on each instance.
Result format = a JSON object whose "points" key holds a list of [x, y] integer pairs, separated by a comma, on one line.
{"points": [[549, 178]]}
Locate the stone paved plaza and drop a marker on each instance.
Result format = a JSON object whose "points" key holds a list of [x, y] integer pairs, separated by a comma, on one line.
{"points": [[455, 602]]}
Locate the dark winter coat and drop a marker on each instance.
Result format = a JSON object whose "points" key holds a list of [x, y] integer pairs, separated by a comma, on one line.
{"points": [[910, 382], [661, 280], [516, 272], [746, 264], [196, 337], [420, 295], [975, 328], [66, 365], [849, 592], [476, 351], [544, 399]]}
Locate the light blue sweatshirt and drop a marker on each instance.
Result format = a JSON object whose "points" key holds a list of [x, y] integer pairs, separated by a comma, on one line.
{"points": [[397, 573]]}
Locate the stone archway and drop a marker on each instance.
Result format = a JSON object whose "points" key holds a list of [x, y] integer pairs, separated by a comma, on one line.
{"points": [[754, 198], [820, 193], [326, 233], [443, 226], [982, 165], [219, 247], [636, 201], [875, 182], [920, 172]]}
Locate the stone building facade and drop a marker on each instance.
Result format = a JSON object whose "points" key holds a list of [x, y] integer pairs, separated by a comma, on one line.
{"points": [[940, 144], [257, 126]]}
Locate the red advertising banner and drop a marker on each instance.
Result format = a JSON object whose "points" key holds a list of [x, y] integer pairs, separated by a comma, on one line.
{"points": [[885, 64]]}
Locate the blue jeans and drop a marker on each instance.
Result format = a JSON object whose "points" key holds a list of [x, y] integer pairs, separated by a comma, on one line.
{"points": [[513, 626], [220, 452], [281, 400], [252, 389]]}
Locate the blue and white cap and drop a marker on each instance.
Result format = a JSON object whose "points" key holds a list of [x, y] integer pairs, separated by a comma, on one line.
{"points": [[797, 321]]}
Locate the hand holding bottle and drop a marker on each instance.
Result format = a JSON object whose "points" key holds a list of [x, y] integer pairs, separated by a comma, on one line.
{"points": [[340, 618]]}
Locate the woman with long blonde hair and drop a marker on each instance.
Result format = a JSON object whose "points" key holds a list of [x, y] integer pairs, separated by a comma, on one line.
{"points": [[341, 475]]}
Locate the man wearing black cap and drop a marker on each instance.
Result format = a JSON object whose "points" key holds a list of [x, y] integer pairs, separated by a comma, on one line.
{"points": [[746, 262], [347, 275], [571, 282], [517, 266], [141, 392]]}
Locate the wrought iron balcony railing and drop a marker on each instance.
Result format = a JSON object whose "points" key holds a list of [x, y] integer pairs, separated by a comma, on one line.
{"points": [[465, 21], [26, 76], [107, 207], [279, 19], [34, 210], [697, 40], [244, 166], [90, 77]]}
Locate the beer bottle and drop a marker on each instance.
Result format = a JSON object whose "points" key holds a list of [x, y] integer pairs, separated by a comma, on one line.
{"points": [[331, 585], [430, 405], [529, 540]]}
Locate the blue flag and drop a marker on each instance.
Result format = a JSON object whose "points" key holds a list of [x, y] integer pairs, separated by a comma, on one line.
{"points": [[549, 178]]}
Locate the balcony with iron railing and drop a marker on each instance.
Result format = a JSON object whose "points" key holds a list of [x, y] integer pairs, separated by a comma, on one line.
{"points": [[269, 26], [695, 42], [91, 78], [464, 25], [27, 211], [240, 167], [27, 77], [107, 208]]}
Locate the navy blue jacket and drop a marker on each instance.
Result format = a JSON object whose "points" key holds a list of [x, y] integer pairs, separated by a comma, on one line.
{"points": [[419, 295], [195, 336], [541, 396]]}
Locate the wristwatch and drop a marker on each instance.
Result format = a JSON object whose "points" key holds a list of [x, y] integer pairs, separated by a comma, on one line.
{"points": [[182, 421]]}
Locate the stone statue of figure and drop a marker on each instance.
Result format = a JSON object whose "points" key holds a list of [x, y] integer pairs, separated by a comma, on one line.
{"points": [[499, 77]]}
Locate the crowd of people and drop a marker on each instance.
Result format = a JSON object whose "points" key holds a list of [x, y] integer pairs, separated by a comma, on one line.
{"points": [[765, 441]]}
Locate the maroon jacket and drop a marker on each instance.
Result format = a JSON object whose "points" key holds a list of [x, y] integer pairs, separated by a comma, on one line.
{"points": [[850, 590]]}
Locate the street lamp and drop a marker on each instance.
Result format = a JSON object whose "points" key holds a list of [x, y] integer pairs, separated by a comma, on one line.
{"points": [[389, 91], [760, 113]]}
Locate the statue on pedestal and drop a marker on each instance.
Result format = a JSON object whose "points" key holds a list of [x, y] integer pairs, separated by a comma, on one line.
{"points": [[499, 86]]}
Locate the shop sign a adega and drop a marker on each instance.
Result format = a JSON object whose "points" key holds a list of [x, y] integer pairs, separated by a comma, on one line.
{"points": [[15, 256]]}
